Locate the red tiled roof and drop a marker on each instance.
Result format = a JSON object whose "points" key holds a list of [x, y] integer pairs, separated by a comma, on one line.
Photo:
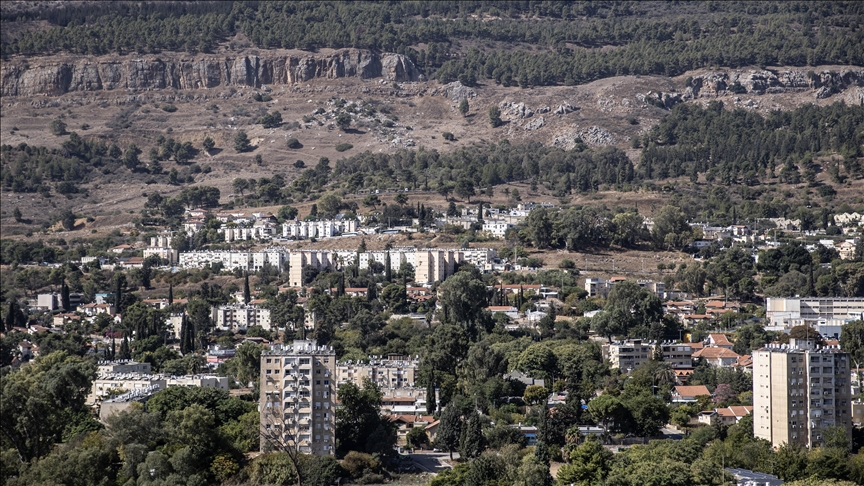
{"points": [[735, 411], [715, 353], [720, 339], [692, 391]]}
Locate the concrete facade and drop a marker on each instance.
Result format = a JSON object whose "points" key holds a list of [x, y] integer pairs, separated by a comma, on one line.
{"points": [[798, 391], [297, 402]]}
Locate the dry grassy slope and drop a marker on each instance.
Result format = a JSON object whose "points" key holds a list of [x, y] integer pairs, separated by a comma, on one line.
{"points": [[422, 117]]}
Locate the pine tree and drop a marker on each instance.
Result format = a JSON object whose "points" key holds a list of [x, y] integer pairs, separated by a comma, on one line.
{"points": [[463, 107], [64, 297], [247, 294]]}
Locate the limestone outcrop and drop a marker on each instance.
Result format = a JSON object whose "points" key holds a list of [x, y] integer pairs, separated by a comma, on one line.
{"points": [[48, 77]]}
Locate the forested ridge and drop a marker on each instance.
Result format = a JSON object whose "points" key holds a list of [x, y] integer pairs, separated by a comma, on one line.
{"points": [[524, 43], [743, 146]]}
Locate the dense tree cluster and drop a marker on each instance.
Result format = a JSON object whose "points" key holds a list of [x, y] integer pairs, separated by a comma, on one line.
{"points": [[740, 146], [483, 166]]}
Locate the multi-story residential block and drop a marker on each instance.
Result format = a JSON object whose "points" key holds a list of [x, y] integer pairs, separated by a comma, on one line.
{"points": [[434, 265], [318, 229], [597, 287], [122, 366], [678, 355], [53, 301], [627, 355], [827, 314], [297, 398], [240, 317], [160, 246], [168, 254], [111, 384], [233, 260], [497, 227], [396, 371], [799, 390]]}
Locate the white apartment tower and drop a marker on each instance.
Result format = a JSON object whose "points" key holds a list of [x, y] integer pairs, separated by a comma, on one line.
{"points": [[798, 391], [297, 403]]}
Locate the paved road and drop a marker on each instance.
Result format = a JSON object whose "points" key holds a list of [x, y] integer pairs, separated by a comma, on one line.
{"points": [[432, 462]]}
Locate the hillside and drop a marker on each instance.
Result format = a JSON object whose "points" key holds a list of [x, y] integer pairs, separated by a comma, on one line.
{"points": [[405, 98]]}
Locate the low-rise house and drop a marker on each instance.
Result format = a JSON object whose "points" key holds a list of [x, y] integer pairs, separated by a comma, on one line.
{"points": [[726, 416], [26, 350], [59, 320], [508, 310], [692, 319], [689, 394], [529, 431], [96, 309], [718, 357], [121, 248], [716, 340], [405, 423]]}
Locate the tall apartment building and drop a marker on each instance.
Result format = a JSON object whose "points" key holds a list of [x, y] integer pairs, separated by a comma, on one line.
{"points": [[297, 402], [798, 391], [434, 265]]}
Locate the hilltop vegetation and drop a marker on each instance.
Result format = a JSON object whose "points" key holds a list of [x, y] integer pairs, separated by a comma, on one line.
{"points": [[577, 43]]}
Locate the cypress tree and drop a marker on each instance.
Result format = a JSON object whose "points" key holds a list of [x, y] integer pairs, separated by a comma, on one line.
{"points": [[125, 353], [11, 315], [388, 273], [170, 294], [371, 293], [340, 285], [145, 275], [184, 336], [117, 293], [247, 294], [430, 394], [113, 344], [449, 429], [64, 297], [473, 442]]}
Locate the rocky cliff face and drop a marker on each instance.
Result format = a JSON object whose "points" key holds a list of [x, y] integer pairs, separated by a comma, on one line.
{"points": [[824, 83], [33, 78]]}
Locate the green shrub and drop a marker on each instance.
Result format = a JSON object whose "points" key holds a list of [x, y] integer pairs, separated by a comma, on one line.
{"points": [[293, 143], [343, 147]]}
